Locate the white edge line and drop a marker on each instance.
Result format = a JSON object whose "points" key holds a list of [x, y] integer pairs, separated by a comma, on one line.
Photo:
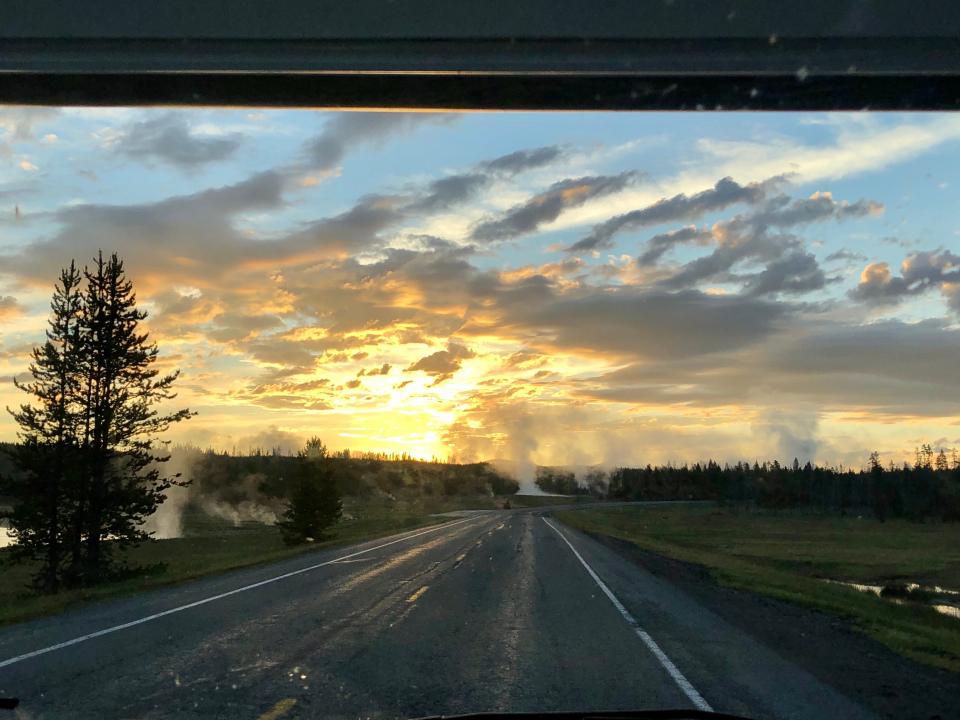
{"points": [[212, 598], [678, 677]]}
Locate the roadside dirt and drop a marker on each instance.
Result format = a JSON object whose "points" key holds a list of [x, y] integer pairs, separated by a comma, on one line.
{"points": [[826, 646]]}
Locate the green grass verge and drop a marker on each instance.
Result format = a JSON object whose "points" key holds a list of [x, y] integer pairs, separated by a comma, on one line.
{"points": [[785, 556]]}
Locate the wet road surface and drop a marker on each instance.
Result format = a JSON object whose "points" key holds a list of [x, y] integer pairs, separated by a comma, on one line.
{"points": [[492, 612]]}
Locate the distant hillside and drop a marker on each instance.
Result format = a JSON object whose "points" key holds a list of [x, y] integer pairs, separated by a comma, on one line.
{"points": [[255, 485], [214, 472]]}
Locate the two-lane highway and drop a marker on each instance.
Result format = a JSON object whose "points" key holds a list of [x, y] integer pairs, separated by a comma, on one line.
{"points": [[498, 611]]}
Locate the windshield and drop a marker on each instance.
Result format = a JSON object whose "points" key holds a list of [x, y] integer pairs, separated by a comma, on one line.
{"points": [[389, 414]]}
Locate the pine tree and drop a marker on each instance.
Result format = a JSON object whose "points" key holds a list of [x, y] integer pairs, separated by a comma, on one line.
{"points": [[315, 503], [878, 488], [121, 388], [923, 457], [48, 451], [86, 460], [942, 464]]}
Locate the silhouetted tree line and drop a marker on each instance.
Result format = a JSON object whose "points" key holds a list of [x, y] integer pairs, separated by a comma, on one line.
{"points": [[929, 488], [560, 481], [348, 454], [344, 454], [85, 469]]}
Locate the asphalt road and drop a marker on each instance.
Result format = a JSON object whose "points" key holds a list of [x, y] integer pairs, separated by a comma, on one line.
{"points": [[498, 611]]}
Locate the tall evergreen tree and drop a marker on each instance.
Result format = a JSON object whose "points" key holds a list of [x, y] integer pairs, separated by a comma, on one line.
{"points": [[48, 451], [122, 387], [87, 454]]}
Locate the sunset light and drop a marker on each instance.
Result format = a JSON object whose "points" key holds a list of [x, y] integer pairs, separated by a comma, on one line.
{"points": [[574, 289]]}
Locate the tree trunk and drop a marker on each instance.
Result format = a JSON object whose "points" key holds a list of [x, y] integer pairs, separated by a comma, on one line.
{"points": [[51, 582]]}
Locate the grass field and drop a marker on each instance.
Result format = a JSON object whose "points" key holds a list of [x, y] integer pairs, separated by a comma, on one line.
{"points": [[787, 556]]}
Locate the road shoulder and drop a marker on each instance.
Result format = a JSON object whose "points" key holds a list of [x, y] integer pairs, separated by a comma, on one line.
{"points": [[827, 647]]}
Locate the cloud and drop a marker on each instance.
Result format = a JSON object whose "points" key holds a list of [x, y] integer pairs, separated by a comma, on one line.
{"points": [[290, 355], [747, 238], [194, 238], [877, 366], [169, 139], [443, 363], [726, 192], [523, 160], [782, 211], [797, 273], [442, 293], [171, 236], [9, 307], [931, 267], [15, 191], [451, 190], [919, 272], [811, 362], [547, 206], [292, 387], [231, 327], [345, 131], [951, 291], [524, 360], [19, 123], [658, 245], [878, 285], [845, 254], [176, 314], [447, 191], [255, 298], [277, 393], [861, 142], [351, 231], [753, 246], [631, 322]]}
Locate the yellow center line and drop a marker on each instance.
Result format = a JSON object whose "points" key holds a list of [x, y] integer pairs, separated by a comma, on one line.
{"points": [[279, 710], [416, 596]]}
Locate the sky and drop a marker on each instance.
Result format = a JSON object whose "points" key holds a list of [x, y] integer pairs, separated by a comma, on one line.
{"points": [[557, 288]]}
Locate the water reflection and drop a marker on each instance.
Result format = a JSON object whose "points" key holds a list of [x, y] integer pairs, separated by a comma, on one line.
{"points": [[5, 540], [951, 610], [901, 595], [873, 589]]}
